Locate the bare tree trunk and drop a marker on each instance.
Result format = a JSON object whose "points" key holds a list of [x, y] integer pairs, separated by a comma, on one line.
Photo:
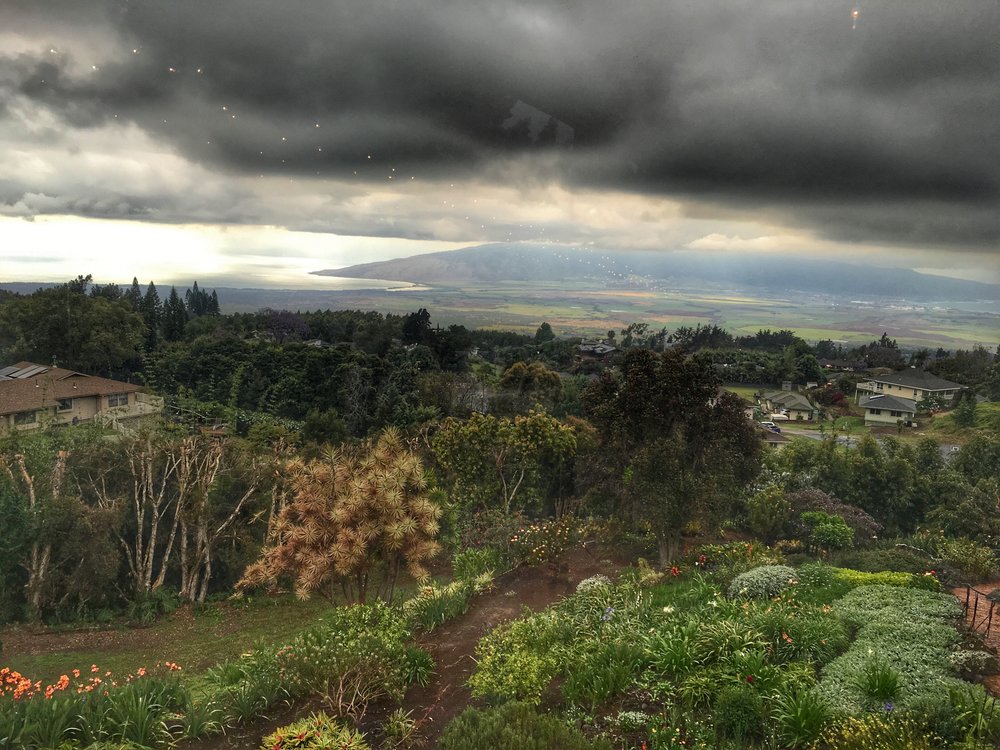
{"points": [[41, 550]]}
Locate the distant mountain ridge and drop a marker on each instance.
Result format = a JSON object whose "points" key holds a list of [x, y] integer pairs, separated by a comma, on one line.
{"points": [[776, 273]]}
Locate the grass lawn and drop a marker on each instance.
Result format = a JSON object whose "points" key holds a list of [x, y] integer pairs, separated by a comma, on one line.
{"points": [[194, 638], [746, 391], [987, 420]]}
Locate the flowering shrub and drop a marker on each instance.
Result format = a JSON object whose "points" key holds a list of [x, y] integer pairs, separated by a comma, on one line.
{"points": [[968, 663], [92, 706], [594, 582], [882, 731], [545, 541], [762, 583], [726, 561], [317, 732]]}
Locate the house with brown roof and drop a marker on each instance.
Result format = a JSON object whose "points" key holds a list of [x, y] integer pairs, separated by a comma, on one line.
{"points": [[34, 396]]}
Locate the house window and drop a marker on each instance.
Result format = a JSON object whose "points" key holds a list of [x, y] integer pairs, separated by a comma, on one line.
{"points": [[65, 404], [876, 411], [118, 399], [25, 417], [880, 386], [895, 414]]}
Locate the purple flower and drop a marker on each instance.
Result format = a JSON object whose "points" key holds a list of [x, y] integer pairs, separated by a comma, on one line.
{"points": [[608, 611], [888, 708]]}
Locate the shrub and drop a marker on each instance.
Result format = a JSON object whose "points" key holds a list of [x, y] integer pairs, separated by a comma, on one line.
{"points": [[796, 631], [799, 716], [908, 629], [821, 583], [865, 528], [879, 682], [469, 564], [545, 541], [516, 661], [603, 672], [435, 604], [898, 559], [513, 726], [974, 561], [356, 655], [768, 513], [594, 582], [317, 732], [967, 664], [762, 583], [828, 531], [726, 561], [630, 721], [861, 605], [877, 732], [739, 713]]}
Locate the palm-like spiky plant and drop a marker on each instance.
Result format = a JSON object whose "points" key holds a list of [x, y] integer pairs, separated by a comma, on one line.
{"points": [[355, 516]]}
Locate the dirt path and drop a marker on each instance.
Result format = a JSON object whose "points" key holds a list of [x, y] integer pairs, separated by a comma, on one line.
{"points": [[990, 639], [452, 645]]}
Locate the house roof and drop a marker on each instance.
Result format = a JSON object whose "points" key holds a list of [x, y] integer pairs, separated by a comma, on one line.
{"points": [[45, 387], [789, 400], [894, 403], [916, 378]]}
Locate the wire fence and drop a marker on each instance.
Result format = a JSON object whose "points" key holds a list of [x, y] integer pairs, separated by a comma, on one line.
{"points": [[980, 612]]}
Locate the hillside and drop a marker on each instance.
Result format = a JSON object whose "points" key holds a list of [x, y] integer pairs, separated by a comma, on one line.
{"points": [[774, 273]]}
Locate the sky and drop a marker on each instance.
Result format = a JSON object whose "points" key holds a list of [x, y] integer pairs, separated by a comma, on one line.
{"points": [[249, 142]]}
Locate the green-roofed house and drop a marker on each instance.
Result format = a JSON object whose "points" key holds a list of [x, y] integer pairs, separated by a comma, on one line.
{"points": [[788, 404]]}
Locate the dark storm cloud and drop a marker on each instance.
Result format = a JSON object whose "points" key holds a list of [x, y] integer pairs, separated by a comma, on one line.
{"points": [[887, 132]]}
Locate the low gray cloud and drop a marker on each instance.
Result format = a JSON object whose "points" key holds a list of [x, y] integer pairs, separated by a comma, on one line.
{"points": [[883, 133]]}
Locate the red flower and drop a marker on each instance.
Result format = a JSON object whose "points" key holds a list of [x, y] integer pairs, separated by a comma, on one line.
{"points": [[750, 678]]}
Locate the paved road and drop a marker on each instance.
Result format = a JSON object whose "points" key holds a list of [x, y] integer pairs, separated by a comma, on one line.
{"points": [[947, 450]]}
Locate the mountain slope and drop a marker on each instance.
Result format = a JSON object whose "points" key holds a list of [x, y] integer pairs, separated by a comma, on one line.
{"points": [[546, 263]]}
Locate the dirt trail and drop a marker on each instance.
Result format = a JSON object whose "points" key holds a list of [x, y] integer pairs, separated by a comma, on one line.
{"points": [[991, 639], [453, 644]]}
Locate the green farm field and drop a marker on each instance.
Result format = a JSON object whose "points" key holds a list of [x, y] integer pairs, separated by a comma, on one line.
{"points": [[576, 308]]}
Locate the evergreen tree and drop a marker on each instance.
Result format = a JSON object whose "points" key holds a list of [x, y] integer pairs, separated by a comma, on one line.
{"points": [[174, 316], [134, 295], [213, 304], [152, 311]]}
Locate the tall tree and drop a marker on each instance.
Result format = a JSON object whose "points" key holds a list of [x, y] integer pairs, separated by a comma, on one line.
{"points": [[676, 451], [174, 316], [134, 295], [152, 311], [355, 517], [492, 462], [63, 323]]}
